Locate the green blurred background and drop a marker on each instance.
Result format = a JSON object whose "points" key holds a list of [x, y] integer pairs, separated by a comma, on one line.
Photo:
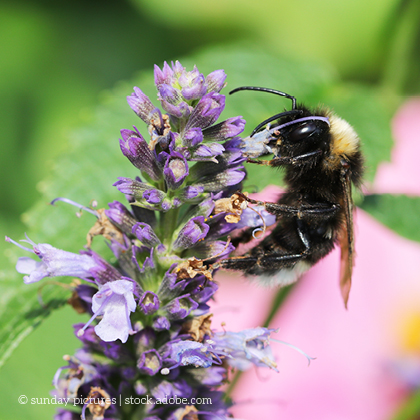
{"points": [[60, 58]]}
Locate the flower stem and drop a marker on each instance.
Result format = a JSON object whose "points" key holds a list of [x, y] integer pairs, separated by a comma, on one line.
{"points": [[168, 225]]}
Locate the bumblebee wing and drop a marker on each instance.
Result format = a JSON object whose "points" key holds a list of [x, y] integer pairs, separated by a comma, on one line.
{"points": [[346, 239]]}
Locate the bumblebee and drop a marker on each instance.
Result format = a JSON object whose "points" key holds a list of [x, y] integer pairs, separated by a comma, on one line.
{"points": [[321, 157]]}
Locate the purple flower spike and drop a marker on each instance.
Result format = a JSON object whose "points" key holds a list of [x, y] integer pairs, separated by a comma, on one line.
{"points": [[146, 235], [136, 149], [54, 262], [141, 105], [207, 111], [216, 81], [226, 129], [193, 231], [176, 170], [114, 301], [150, 362], [149, 303]]}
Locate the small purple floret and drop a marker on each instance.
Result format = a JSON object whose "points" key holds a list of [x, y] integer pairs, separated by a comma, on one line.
{"points": [[114, 301], [149, 303], [192, 232], [54, 262]]}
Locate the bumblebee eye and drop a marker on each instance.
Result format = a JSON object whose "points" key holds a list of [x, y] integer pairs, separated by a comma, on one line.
{"points": [[303, 131]]}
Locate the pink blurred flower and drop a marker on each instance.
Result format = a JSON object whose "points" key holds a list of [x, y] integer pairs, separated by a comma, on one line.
{"points": [[351, 378], [401, 175]]}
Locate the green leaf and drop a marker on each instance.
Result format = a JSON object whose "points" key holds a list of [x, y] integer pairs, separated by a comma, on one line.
{"points": [[21, 311], [93, 162], [399, 212]]}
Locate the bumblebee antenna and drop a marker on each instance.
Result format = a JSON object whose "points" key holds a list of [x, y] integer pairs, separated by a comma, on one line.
{"points": [[262, 89], [275, 117]]}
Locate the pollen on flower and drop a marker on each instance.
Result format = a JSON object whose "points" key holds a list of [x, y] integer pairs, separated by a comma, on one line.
{"points": [[198, 327], [98, 402], [103, 226], [233, 206], [192, 267]]}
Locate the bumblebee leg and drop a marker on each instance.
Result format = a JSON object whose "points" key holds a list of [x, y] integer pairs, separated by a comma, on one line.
{"points": [[286, 160], [278, 209], [321, 209], [253, 264]]}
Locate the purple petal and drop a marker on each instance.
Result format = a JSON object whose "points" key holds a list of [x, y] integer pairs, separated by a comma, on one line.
{"points": [[120, 216], [149, 303], [195, 89], [102, 271], [114, 301], [136, 149], [177, 111], [161, 323], [150, 362], [190, 193], [132, 187], [193, 231], [216, 81], [212, 249], [177, 68], [176, 170], [207, 151], [141, 105], [146, 234], [163, 76], [191, 353], [54, 262], [245, 347], [169, 94], [226, 129], [207, 111], [153, 196], [180, 307], [219, 181], [192, 137]]}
